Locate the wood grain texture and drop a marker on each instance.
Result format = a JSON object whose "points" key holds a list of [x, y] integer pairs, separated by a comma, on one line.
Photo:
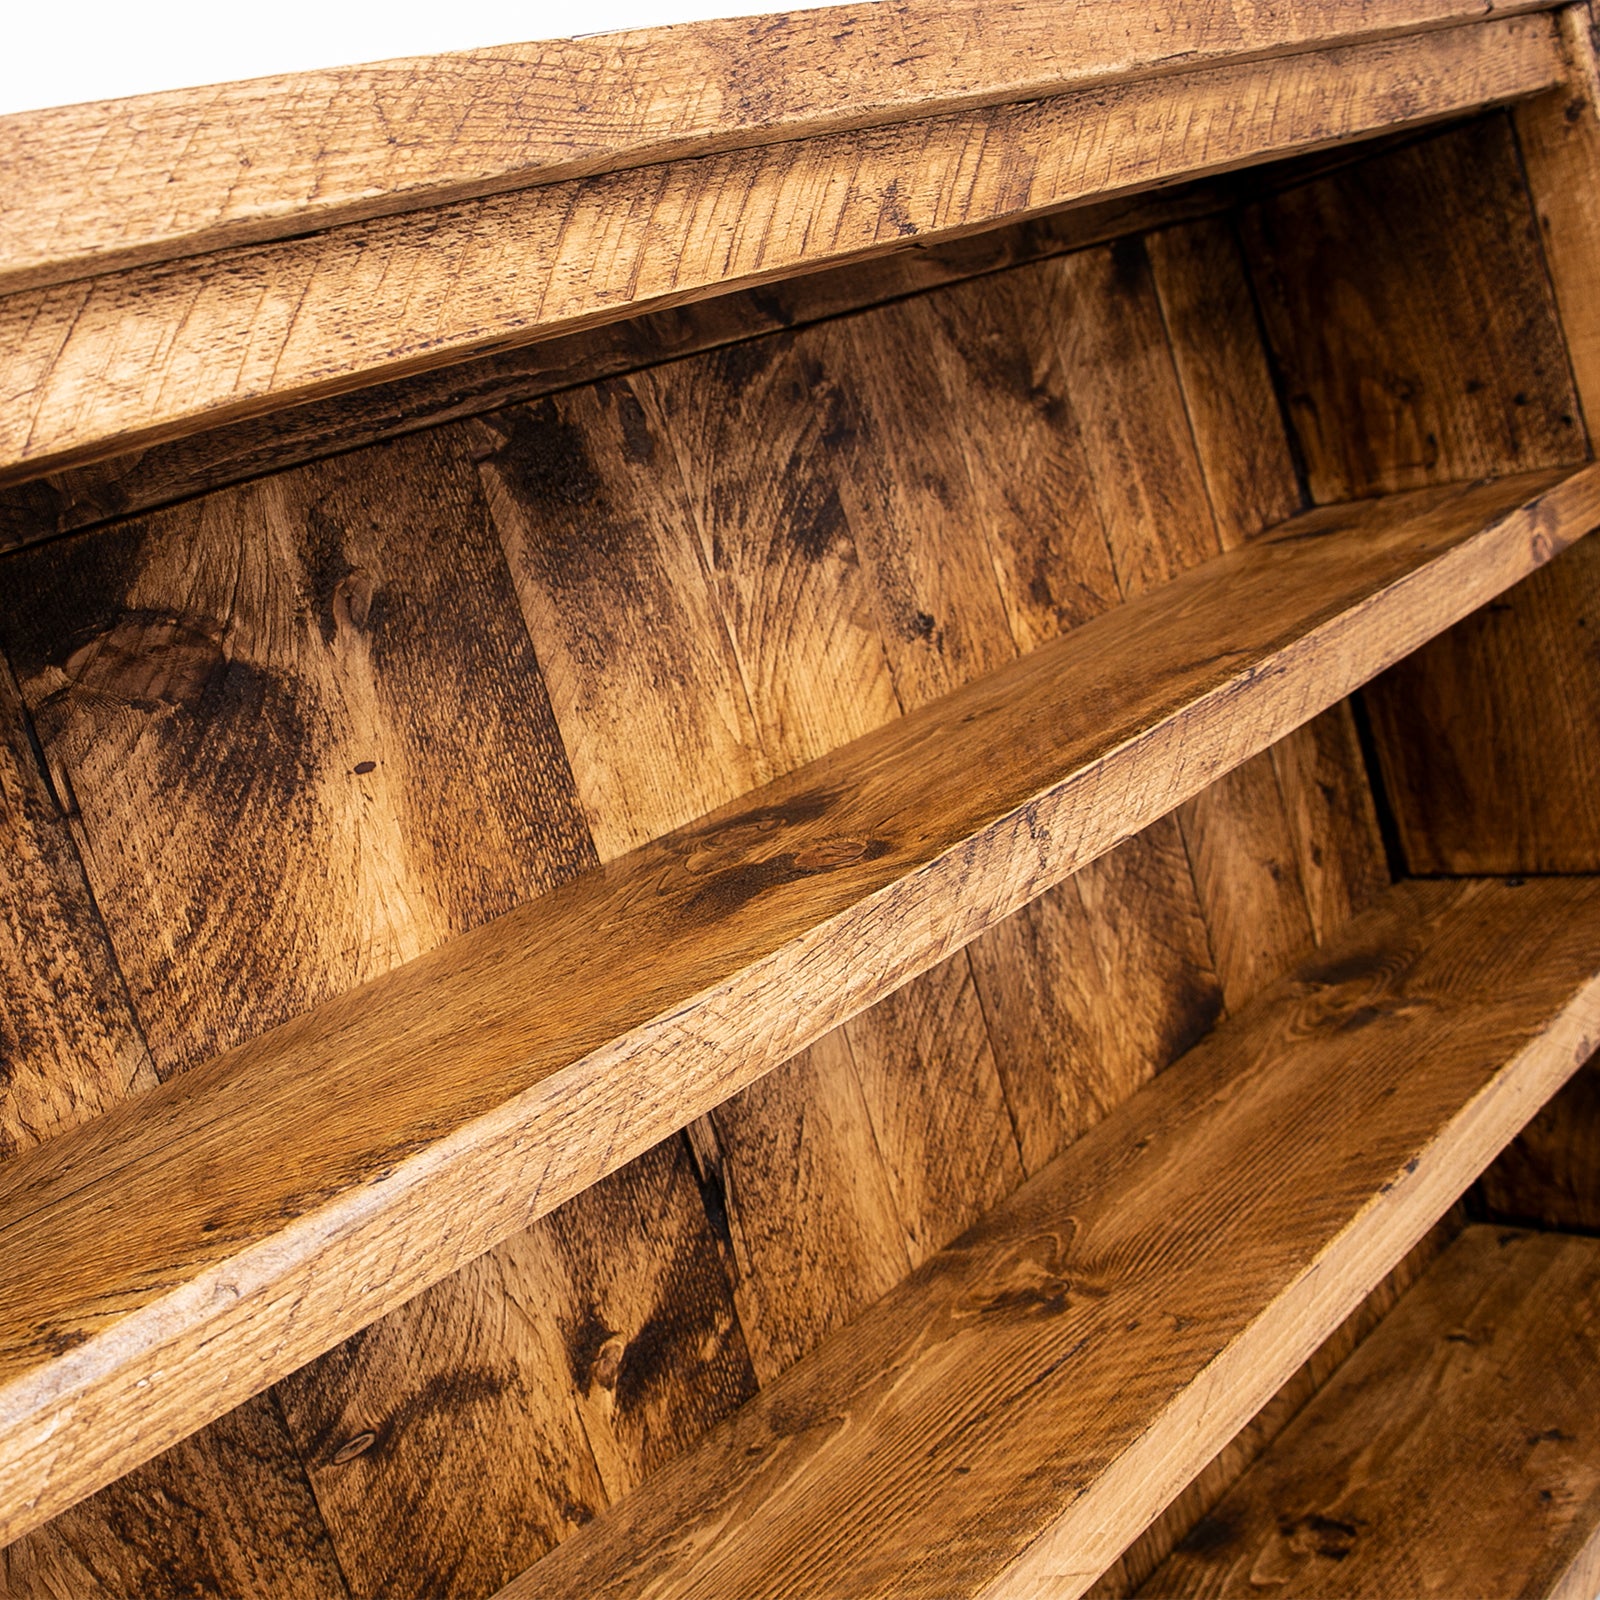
{"points": [[1007, 1417], [1454, 1453], [199, 1519], [1410, 368], [70, 1045], [111, 183], [1124, 1576], [907, 1098], [151, 352], [465, 1384], [570, 1035], [1411, 317], [1431, 350], [226, 1513], [1290, 835], [1200, 276], [276, 711]]}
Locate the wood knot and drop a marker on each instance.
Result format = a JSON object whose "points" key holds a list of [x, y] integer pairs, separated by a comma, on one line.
{"points": [[357, 1445], [607, 1365]]}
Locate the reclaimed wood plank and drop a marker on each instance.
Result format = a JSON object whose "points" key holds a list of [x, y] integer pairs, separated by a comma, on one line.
{"points": [[147, 479], [1455, 1452], [112, 183], [270, 1202], [104, 365], [1122, 1578], [1005, 1419]]}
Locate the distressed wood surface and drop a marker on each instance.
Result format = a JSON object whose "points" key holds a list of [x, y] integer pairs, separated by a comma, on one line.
{"points": [[1003, 1421], [111, 183], [152, 352], [229, 1509], [1455, 1453], [1122, 1578], [553, 1033]]}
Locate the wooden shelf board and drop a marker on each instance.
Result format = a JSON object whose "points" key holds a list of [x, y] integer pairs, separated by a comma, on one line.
{"points": [[1457, 1452], [104, 365], [188, 1249], [108, 184], [1013, 1414]]}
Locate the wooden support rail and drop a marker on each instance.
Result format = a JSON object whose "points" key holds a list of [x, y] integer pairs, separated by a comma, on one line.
{"points": [[105, 364], [1007, 1419], [184, 1251], [92, 188], [1457, 1452]]}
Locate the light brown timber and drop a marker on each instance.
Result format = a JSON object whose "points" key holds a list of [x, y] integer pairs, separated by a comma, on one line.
{"points": [[107, 364], [1006, 1419]]}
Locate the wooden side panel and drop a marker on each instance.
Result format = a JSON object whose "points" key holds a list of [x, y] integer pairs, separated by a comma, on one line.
{"points": [[1549, 1176], [1431, 347], [1412, 320]]}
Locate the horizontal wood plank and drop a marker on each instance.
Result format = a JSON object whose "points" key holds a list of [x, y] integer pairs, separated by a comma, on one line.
{"points": [[1457, 1452], [111, 183], [181, 1253], [1005, 1420], [103, 365]]}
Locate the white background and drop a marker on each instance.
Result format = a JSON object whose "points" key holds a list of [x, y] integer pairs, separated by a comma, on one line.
{"points": [[56, 52]]}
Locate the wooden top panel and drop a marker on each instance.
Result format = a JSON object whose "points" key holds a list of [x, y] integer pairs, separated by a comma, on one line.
{"points": [[111, 183], [1457, 1452], [1005, 1420], [101, 365], [186, 1250]]}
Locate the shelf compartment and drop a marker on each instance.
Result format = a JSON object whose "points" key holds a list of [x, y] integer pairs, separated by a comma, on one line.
{"points": [[185, 1251], [1013, 1414], [1457, 1451]]}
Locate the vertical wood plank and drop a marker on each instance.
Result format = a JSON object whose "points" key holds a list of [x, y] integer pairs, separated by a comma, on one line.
{"points": [[398, 1425], [794, 1162], [639, 665], [1240, 437], [646, 689], [792, 1167], [651, 1334], [69, 1044]]}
